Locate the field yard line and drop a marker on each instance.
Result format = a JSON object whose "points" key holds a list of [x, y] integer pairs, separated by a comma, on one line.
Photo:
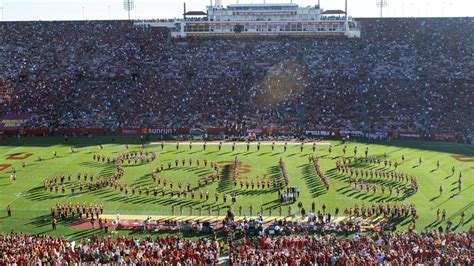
{"points": [[8, 151], [18, 196], [36, 184], [116, 208]]}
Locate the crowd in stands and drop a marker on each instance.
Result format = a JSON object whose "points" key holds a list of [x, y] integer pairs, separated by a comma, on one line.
{"points": [[431, 248], [408, 74], [22, 249]]}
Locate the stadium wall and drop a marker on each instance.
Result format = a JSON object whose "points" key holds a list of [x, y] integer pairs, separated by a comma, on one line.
{"points": [[214, 132]]}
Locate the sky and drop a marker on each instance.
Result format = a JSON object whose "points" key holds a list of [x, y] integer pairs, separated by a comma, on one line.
{"points": [[23, 10]]}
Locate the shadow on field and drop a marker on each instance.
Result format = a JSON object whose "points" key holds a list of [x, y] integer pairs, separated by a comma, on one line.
{"points": [[450, 147], [435, 197], [433, 224], [457, 214], [39, 194], [225, 182], [275, 204], [333, 174], [83, 233], [314, 184], [92, 164], [39, 221], [275, 174], [452, 196]]}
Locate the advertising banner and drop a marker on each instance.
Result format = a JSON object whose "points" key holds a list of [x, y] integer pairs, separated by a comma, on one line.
{"points": [[14, 121], [356, 133], [323, 133], [406, 135], [158, 131]]}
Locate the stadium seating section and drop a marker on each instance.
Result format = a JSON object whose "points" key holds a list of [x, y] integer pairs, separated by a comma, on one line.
{"points": [[403, 74]]}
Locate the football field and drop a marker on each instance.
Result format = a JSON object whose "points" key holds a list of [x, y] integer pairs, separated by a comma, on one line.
{"points": [[31, 202]]}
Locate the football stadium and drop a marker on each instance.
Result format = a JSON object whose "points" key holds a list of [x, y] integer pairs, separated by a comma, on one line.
{"points": [[242, 134]]}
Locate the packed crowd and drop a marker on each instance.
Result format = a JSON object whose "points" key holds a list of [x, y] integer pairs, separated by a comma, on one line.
{"points": [[403, 74], [431, 248], [20, 249]]}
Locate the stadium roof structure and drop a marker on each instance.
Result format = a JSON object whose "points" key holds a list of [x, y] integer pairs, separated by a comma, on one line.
{"points": [[333, 12], [195, 13], [262, 5]]}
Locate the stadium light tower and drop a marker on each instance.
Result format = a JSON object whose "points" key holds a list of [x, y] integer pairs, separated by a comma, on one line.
{"points": [[128, 5], [381, 4]]}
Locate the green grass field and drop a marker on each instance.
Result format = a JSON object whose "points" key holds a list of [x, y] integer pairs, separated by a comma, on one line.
{"points": [[31, 204]]}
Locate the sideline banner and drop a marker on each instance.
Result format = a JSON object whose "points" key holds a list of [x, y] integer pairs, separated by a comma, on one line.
{"points": [[319, 133], [406, 135], [157, 131], [446, 137], [130, 131], [80, 131], [352, 133], [14, 122]]}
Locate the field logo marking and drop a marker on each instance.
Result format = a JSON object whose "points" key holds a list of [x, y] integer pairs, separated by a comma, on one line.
{"points": [[4, 166], [464, 159], [19, 156]]}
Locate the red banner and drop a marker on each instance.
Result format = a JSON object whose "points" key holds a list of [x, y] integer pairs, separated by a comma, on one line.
{"points": [[216, 130], [131, 131], [35, 131], [406, 135], [447, 137], [81, 131], [182, 131]]}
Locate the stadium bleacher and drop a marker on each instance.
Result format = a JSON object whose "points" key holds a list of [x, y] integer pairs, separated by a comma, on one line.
{"points": [[405, 74]]}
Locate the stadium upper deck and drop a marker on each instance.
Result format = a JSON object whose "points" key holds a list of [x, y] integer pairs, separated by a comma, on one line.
{"points": [[261, 20]]}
